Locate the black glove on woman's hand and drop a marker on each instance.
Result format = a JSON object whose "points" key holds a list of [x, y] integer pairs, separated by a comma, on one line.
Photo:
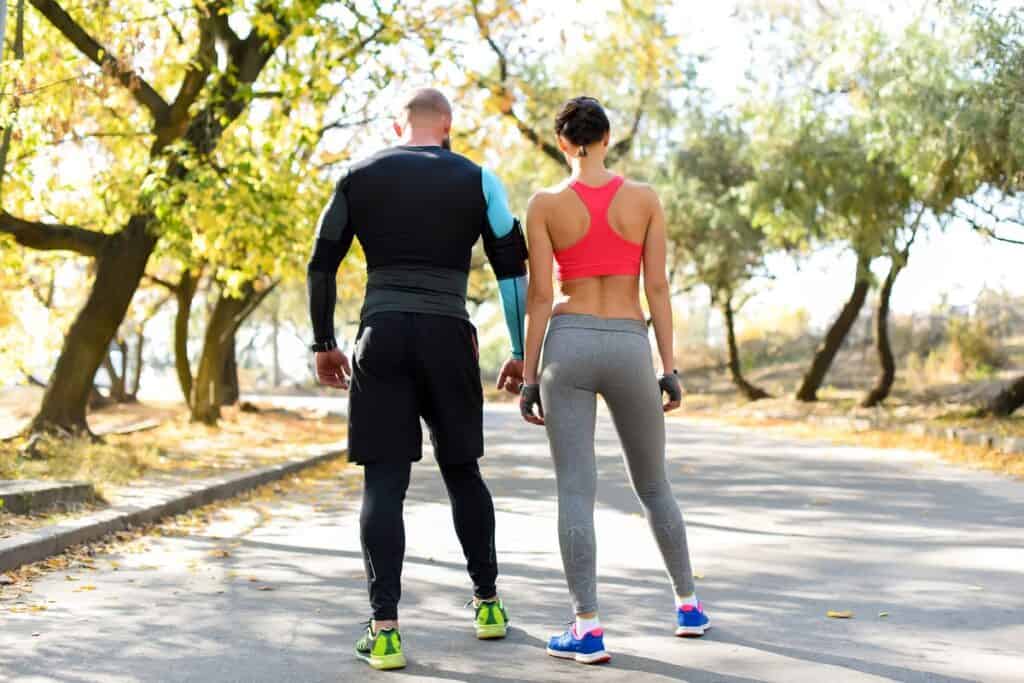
{"points": [[670, 385], [529, 396]]}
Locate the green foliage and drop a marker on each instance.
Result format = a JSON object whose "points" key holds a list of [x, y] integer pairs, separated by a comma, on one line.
{"points": [[968, 351], [710, 233], [971, 346]]}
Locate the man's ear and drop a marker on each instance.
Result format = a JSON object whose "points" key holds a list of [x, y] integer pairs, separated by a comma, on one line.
{"points": [[607, 138], [397, 128]]}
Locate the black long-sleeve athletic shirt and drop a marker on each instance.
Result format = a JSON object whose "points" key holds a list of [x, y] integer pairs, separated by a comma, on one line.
{"points": [[417, 212]]}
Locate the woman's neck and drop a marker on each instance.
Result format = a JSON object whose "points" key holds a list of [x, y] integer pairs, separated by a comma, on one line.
{"points": [[590, 170]]}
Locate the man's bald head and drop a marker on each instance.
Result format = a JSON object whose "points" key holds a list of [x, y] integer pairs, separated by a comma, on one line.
{"points": [[426, 118], [426, 103]]}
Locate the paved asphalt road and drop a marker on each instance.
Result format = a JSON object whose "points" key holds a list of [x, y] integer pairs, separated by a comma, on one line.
{"points": [[781, 532]]}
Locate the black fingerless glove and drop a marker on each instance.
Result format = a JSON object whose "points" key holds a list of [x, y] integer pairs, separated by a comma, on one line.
{"points": [[529, 396], [670, 384]]}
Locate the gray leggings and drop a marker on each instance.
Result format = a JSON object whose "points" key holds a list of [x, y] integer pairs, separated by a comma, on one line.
{"points": [[585, 356]]}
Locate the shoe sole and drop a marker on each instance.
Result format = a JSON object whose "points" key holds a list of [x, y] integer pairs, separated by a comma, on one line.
{"points": [[593, 658], [491, 631], [385, 662], [693, 631]]}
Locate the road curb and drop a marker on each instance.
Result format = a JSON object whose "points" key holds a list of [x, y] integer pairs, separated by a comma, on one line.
{"points": [[22, 496], [42, 543]]}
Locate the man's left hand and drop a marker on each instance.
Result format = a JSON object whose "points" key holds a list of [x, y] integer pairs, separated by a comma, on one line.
{"points": [[511, 376]]}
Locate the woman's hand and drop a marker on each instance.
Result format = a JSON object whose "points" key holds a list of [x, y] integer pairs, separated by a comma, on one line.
{"points": [[669, 384], [528, 398]]}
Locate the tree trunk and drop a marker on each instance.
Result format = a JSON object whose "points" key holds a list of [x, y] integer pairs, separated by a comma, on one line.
{"points": [[1008, 401], [119, 268], [133, 391], [185, 293], [276, 343], [224, 321], [833, 341], [751, 391], [96, 399], [883, 385], [117, 388], [227, 389]]}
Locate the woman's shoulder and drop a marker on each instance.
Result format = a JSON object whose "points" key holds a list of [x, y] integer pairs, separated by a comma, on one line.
{"points": [[545, 195], [638, 187]]}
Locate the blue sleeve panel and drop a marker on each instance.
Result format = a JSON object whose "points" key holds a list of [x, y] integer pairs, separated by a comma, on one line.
{"points": [[513, 298], [511, 289], [498, 213]]}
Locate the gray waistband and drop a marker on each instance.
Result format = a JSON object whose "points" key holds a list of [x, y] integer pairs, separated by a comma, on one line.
{"points": [[416, 289], [591, 322]]}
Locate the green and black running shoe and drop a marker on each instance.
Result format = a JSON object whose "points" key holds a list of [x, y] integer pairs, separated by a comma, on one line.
{"points": [[491, 620], [382, 651]]}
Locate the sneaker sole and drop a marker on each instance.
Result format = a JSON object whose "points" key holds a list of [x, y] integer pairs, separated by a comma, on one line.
{"points": [[593, 658], [491, 631], [385, 662], [693, 631]]}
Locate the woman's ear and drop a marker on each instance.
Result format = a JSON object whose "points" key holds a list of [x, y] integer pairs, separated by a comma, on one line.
{"points": [[607, 138], [562, 144]]}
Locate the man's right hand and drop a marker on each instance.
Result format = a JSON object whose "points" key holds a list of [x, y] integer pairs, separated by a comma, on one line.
{"points": [[511, 376], [332, 369]]}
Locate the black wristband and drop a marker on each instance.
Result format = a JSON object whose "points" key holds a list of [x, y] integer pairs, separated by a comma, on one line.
{"points": [[320, 347]]}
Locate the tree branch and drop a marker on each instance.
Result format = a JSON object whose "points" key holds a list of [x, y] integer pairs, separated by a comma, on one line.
{"points": [[986, 230], [142, 91], [163, 283], [505, 93], [622, 147], [341, 125], [253, 302], [198, 71], [52, 236]]}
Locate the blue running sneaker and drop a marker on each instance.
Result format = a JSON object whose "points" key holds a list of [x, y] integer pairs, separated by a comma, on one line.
{"points": [[691, 622], [586, 650]]}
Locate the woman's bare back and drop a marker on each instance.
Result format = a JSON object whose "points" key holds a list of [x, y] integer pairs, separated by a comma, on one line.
{"points": [[568, 221]]}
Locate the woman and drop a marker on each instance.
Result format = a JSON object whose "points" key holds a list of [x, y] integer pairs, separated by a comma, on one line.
{"points": [[600, 229]]}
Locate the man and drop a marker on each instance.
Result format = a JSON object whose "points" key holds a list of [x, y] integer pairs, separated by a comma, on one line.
{"points": [[417, 210]]}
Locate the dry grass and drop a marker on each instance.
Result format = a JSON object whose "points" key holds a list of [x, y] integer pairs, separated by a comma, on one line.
{"points": [[79, 459], [176, 448]]}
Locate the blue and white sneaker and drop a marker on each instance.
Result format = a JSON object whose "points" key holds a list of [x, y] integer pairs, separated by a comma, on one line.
{"points": [[691, 622], [586, 650]]}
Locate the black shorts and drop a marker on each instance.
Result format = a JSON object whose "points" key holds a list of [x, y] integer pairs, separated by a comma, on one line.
{"points": [[411, 365]]}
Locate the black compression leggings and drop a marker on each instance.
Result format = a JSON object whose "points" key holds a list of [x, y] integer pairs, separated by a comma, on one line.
{"points": [[382, 531]]}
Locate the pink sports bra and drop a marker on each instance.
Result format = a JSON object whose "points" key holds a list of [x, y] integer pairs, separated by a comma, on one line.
{"points": [[601, 251]]}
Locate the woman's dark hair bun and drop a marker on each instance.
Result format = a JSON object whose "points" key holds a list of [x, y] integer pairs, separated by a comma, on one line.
{"points": [[582, 121]]}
